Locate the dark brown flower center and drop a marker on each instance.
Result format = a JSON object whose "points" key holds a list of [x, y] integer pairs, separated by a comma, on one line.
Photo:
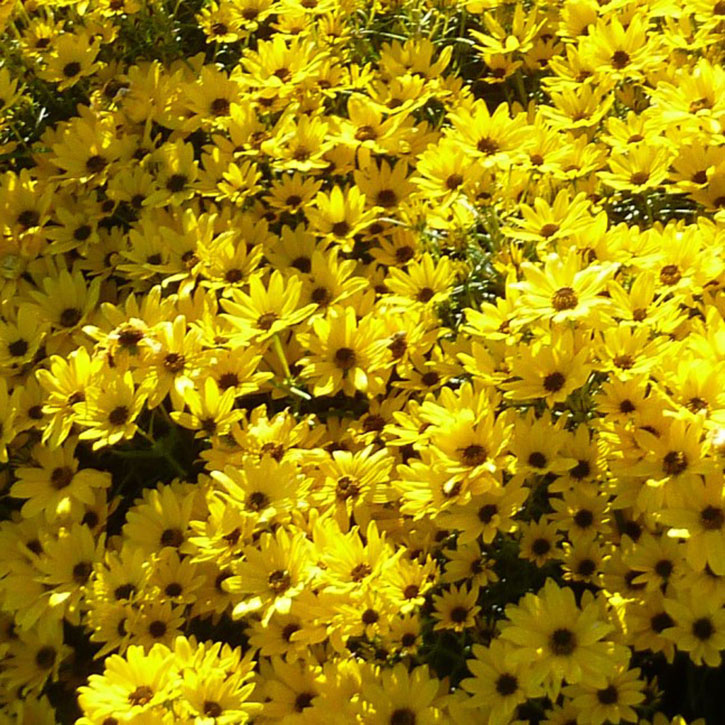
{"points": [[608, 695], [674, 463], [341, 228], [45, 657], [212, 709], [459, 614], [119, 415], [506, 684], [257, 501], [96, 164], [345, 358], [620, 58], [712, 518], [370, 616], [670, 274], [537, 460], [141, 695], [541, 546], [581, 470], [172, 537], [70, 317], [360, 571], [548, 230], [177, 183], [157, 629], [660, 622], [564, 299], [403, 716], [562, 642], [474, 455], [347, 488], [487, 146], [28, 218], [265, 321], [220, 107], [554, 382], [61, 477], [81, 571], [703, 628], [279, 581], [71, 69], [303, 700], [583, 518]]}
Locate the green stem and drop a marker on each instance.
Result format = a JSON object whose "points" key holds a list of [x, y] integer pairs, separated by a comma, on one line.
{"points": [[277, 344]]}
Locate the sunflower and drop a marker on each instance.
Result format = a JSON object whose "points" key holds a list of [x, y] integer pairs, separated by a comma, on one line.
{"points": [[399, 695], [67, 568], [550, 369], [467, 561], [176, 174], [66, 383], [51, 484], [155, 621], [493, 140], [67, 300], [547, 223], [350, 484], [267, 309], [87, 152], [613, 703], [487, 514], [288, 688], [160, 519], [539, 541], [699, 516], [210, 410], [344, 354], [497, 686], [208, 693], [384, 187], [560, 640], [339, 215], [137, 683], [427, 281], [34, 656], [110, 410], [271, 574], [72, 56], [563, 289], [621, 52], [455, 608], [265, 492], [698, 628]]}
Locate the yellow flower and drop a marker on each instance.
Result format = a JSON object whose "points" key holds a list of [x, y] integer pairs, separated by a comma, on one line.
{"points": [[699, 516], [498, 685], [613, 703], [563, 289], [56, 481], [698, 629], [137, 683], [339, 215], [455, 608], [72, 56], [345, 354], [110, 410], [271, 574], [210, 410], [267, 309], [560, 640]]}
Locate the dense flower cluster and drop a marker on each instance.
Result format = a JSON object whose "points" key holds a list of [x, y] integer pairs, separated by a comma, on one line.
{"points": [[361, 362]]}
